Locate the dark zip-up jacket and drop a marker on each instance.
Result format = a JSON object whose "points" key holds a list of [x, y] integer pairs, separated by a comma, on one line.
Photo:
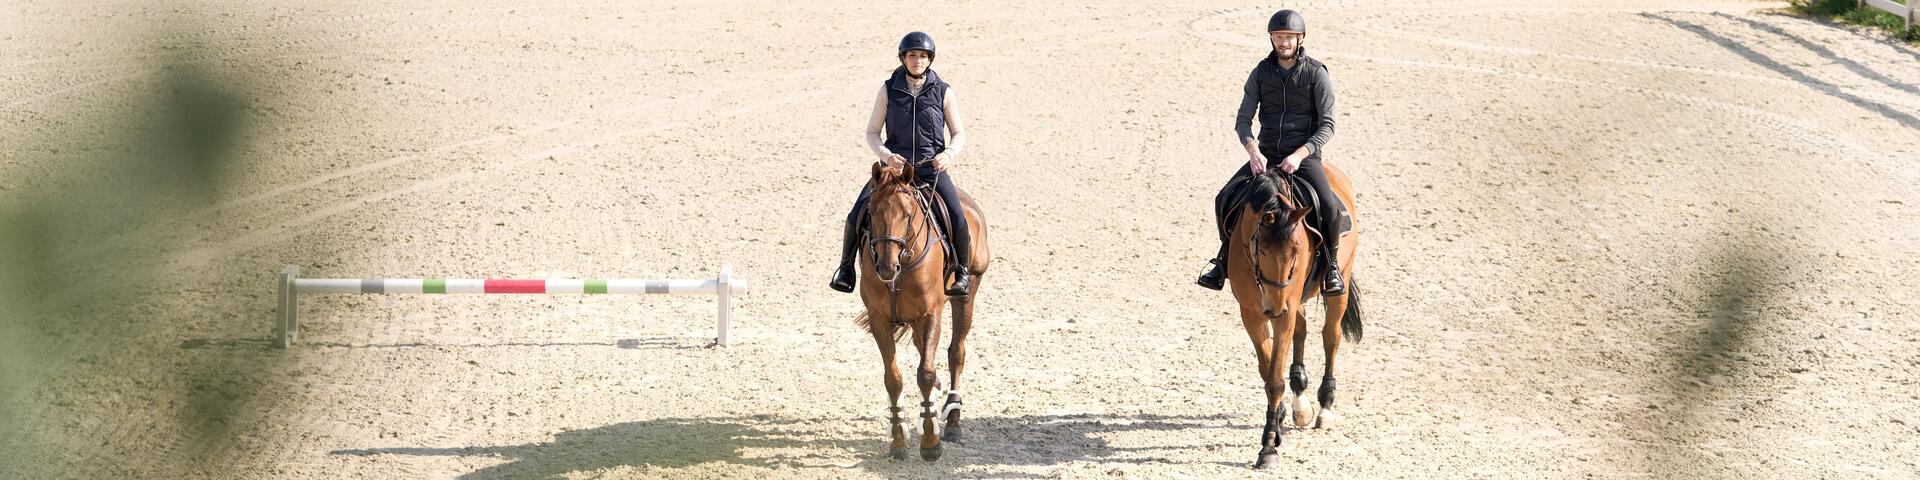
{"points": [[1295, 107]]}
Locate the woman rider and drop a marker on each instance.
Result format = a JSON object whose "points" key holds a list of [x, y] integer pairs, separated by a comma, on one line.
{"points": [[916, 111]]}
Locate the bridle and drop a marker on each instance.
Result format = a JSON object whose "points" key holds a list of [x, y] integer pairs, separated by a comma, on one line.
{"points": [[907, 257], [1260, 280]]}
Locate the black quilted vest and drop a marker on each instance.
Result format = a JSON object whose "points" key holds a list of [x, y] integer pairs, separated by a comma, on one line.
{"points": [[916, 125], [1287, 112]]}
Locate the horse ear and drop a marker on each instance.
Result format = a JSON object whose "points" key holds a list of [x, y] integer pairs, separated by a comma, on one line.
{"points": [[906, 170], [877, 168], [1294, 216]]}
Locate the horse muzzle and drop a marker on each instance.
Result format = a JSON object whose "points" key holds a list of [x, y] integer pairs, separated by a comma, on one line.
{"points": [[888, 273]]}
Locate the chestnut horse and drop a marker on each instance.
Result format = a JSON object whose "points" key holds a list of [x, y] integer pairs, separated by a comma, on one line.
{"points": [[903, 283], [1270, 266]]}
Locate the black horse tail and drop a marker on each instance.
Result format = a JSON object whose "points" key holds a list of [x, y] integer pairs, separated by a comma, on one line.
{"points": [[1350, 323]]}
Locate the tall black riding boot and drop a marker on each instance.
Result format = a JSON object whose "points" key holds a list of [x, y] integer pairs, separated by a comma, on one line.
{"points": [[1216, 277], [844, 278], [1330, 253], [962, 256]]}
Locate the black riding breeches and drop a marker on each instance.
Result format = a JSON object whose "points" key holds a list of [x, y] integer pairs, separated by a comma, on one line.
{"points": [[1327, 219]]}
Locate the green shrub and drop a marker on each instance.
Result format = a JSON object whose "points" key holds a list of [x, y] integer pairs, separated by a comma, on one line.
{"points": [[1849, 11], [1824, 8]]}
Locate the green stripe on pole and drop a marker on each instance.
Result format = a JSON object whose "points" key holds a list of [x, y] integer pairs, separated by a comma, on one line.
{"points": [[596, 285], [434, 285]]}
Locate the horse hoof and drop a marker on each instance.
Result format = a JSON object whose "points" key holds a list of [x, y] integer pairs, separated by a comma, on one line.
{"points": [[1303, 415], [1327, 419], [931, 454], [1267, 461], [897, 453], [950, 434]]}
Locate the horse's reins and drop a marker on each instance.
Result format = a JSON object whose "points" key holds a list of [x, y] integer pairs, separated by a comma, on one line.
{"points": [[908, 260]]}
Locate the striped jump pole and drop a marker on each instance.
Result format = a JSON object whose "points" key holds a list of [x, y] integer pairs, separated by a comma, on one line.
{"points": [[291, 286]]}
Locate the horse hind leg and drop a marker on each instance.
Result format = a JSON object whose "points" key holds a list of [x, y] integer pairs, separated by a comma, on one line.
{"points": [[1327, 417], [956, 363], [1330, 339]]}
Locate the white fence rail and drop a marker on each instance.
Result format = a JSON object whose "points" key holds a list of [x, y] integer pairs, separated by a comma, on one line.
{"points": [[1904, 11]]}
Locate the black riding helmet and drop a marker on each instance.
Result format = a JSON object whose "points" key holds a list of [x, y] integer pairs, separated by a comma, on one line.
{"points": [[1288, 20], [917, 41], [1284, 20]]}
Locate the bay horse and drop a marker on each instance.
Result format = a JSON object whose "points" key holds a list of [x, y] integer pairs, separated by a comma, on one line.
{"points": [[1270, 266], [903, 284]]}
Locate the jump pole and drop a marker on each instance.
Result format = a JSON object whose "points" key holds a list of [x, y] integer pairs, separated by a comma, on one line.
{"points": [[287, 326]]}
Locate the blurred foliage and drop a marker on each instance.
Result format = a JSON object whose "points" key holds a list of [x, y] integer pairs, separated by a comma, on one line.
{"points": [[1850, 11], [68, 312]]}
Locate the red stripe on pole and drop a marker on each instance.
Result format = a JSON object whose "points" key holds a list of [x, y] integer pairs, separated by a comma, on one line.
{"points": [[495, 285]]}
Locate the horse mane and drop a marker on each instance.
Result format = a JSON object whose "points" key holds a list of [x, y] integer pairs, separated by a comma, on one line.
{"points": [[1269, 190]]}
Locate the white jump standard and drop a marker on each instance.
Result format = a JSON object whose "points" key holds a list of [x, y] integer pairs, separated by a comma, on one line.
{"points": [[287, 327]]}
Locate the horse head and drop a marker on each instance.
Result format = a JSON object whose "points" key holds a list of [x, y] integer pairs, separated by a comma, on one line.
{"points": [[1277, 245], [894, 218]]}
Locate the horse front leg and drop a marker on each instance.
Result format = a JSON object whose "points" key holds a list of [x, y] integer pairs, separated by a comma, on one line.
{"points": [[926, 338], [1266, 350], [883, 335]]}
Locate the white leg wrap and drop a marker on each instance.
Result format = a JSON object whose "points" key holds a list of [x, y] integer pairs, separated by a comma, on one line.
{"points": [[929, 408], [948, 410]]}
